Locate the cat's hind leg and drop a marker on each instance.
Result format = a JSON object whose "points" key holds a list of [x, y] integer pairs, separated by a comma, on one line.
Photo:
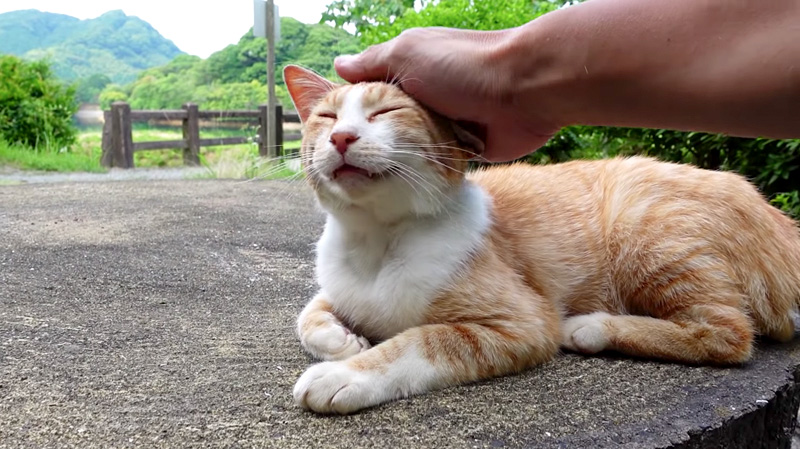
{"points": [[700, 333], [324, 336]]}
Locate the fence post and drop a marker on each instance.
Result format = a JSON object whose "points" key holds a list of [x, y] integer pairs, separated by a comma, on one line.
{"points": [[191, 135], [279, 130], [263, 143], [121, 135], [107, 157], [127, 135]]}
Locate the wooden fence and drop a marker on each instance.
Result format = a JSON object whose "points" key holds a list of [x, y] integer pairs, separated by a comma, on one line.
{"points": [[118, 144]]}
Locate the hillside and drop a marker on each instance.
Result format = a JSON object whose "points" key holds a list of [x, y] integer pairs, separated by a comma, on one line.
{"points": [[234, 77], [115, 44]]}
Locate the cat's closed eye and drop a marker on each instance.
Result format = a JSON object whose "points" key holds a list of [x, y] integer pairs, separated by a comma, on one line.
{"points": [[383, 111], [330, 115]]}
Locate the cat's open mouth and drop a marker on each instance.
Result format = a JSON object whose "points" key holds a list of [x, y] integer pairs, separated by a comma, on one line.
{"points": [[350, 170]]}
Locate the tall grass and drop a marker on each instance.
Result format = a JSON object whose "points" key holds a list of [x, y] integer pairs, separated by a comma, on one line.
{"points": [[232, 161], [74, 159], [242, 162]]}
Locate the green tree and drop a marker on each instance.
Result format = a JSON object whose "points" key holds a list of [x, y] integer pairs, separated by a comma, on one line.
{"points": [[235, 71], [466, 14], [35, 109], [112, 93], [232, 95], [116, 45], [365, 14], [87, 90]]}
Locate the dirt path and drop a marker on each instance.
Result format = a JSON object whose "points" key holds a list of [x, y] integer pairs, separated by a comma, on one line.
{"points": [[9, 176], [162, 314]]}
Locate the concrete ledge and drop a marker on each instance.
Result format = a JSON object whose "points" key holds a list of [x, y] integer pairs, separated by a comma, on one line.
{"points": [[161, 314]]}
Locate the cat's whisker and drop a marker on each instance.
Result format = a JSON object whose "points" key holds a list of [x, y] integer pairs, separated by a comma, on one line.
{"points": [[407, 79], [429, 158], [437, 145], [398, 74], [412, 181], [277, 165], [442, 156], [434, 192], [437, 162], [394, 170]]}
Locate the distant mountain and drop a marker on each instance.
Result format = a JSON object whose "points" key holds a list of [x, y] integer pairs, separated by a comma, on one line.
{"points": [[234, 77], [115, 45]]}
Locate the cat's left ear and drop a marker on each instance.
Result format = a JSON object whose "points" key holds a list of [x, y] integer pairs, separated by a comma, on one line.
{"points": [[306, 88], [471, 136]]}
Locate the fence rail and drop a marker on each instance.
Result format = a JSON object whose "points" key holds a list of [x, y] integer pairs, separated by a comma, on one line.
{"points": [[118, 144]]}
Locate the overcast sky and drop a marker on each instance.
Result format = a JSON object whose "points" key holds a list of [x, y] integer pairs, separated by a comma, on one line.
{"points": [[196, 27]]}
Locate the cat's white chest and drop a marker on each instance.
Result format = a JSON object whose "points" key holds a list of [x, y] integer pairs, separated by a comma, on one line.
{"points": [[382, 281]]}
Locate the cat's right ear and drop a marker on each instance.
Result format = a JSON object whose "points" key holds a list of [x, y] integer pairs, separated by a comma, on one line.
{"points": [[306, 88]]}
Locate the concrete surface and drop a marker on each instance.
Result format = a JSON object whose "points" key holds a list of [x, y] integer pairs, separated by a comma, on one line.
{"points": [[161, 314], [12, 176]]}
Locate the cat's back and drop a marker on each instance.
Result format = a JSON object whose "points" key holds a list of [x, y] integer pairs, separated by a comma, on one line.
{"points": [[624, 190], [580, 228]]}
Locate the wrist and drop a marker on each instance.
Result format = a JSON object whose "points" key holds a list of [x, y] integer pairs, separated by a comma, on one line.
{"points": [[536, 70]]}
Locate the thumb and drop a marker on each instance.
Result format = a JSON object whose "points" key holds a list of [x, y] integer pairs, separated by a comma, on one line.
{"points": [[370, 65]]}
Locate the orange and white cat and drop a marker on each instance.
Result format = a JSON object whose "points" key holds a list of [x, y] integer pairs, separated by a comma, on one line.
{"points": [[431, 277]]}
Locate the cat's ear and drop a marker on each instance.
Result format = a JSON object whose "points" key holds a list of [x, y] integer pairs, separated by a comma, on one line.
{"points": [[306, 88], [470, 136]]}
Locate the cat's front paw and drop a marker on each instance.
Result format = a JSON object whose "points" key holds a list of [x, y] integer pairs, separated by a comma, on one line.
{"points": [[586, 333], [334, 342], [333, 387]]}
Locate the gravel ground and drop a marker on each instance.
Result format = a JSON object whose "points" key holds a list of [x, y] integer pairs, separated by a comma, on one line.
{"points": [[12, 176], [161, 312]]}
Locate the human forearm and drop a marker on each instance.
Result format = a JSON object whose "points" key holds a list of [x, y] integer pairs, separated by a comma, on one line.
{"points": [[730, 66]]}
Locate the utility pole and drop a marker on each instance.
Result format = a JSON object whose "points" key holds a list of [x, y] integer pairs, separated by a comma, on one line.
{"points": [[272, 145]]}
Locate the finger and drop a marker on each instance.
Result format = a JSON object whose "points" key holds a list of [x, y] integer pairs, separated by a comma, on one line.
{"points": [[370, 65]]}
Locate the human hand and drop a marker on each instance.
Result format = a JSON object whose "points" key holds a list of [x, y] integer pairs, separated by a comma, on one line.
{"points": [[464, 75]]}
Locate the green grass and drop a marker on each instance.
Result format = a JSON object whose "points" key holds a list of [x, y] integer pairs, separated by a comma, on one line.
{"points": [[240, 162], [75, 159], [293, 145], [232, 161]]}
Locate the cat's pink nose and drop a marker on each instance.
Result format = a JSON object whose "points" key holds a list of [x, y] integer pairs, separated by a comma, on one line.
{"points": [[342, 139]]}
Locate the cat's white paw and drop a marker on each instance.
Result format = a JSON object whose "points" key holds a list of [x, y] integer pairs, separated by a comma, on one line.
{"points": [[334, 342], [586, 333], [333, 387]]}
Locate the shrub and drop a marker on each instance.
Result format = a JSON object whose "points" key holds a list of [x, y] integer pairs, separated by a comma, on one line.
{"points": [[35, 109]]}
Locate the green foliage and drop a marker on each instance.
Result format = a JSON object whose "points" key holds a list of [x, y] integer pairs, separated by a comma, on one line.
{"points": [[234, 77], [151, 91], [35, 109], [25, 30], [467, 14], [87, 90], [115, 45], [312, 46], [25, 158], [232, 95], [110, 94], [789, 202], [365, 14]]}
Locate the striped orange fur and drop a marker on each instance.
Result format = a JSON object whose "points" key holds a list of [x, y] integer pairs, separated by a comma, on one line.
{"points": [[430, 276]]}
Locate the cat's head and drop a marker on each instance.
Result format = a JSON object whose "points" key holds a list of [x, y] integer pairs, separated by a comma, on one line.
{"points": [[371, 146]]}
